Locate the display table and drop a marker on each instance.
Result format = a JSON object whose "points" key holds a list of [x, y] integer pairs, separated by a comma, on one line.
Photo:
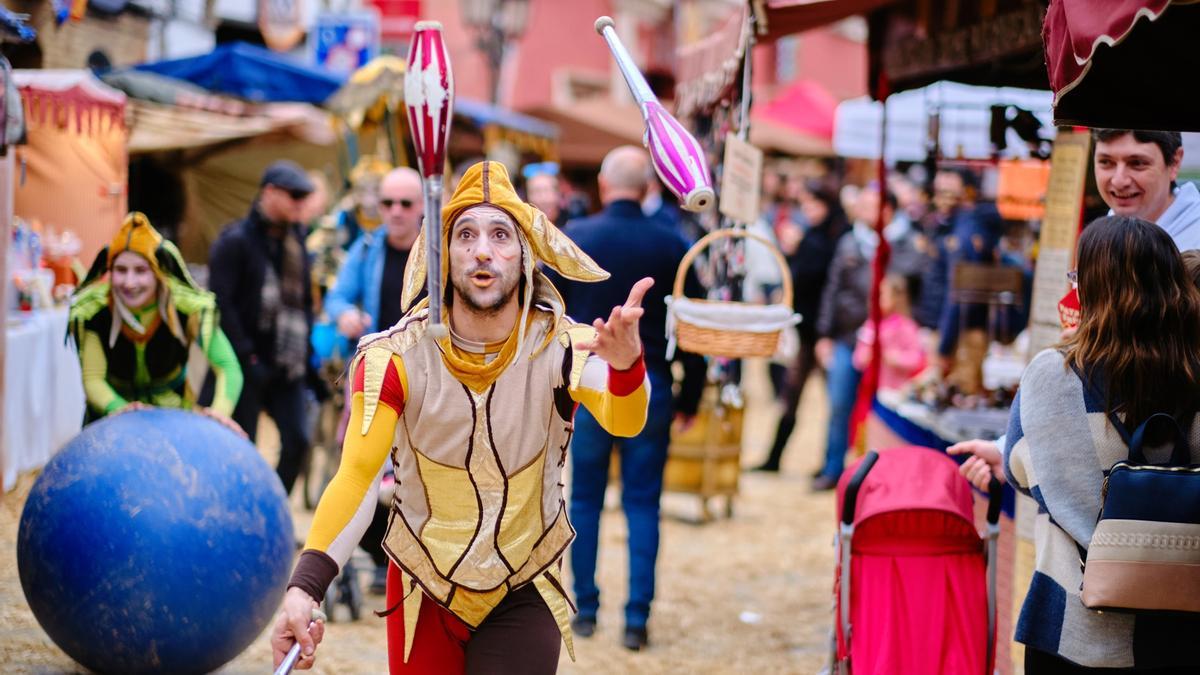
{"points": [[43, 391]]}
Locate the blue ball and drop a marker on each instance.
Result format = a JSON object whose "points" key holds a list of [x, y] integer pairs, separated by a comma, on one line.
{"points": [[155, 541]]}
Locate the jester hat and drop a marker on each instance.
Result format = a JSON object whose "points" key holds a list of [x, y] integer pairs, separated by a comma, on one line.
{"points": [[177, 288], [541, 242]]}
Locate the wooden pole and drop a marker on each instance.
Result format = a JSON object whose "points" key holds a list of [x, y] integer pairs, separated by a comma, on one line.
{"points": [[6, 216]]}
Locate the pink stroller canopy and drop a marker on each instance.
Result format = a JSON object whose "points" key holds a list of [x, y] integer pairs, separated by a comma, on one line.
{"points": [[918, 589]]}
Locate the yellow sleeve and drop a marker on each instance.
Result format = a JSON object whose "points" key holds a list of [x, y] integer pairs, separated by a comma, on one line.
{"points": [[348, 504], [619, 400], [100, 394], [226, 370]]}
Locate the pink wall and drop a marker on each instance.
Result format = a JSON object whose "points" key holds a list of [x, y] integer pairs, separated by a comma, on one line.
{"points": [[824, 56], [560, 34]]}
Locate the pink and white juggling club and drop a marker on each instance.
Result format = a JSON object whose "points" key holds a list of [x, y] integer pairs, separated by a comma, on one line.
{"points": [[674, 152], [429, 98]]}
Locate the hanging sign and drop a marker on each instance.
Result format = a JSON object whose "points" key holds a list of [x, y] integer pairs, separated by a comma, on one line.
{"points": [[344, 41], [1056, 243], [741, 179]]}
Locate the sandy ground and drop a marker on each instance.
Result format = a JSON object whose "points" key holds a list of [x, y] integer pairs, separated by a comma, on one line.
{"points": [[746, 595]]}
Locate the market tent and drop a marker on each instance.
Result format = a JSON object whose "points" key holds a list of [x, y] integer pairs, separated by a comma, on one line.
{"points": [[220, 183], [1142, 49], [911, 44], [780, 18], [964, 114], [799, 121], [253, 73], [76, 162], [375, 93], [590, 127]]}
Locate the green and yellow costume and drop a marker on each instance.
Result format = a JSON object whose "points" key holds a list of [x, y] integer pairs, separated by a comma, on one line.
{"points": [[141, 354]]}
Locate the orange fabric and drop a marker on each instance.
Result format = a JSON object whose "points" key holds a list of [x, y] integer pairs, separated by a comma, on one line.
{"points": [[1021, 190], [75, 181]]}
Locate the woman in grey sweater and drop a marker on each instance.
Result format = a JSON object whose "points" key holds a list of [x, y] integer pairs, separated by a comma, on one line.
{"points": [[1137, 352]]}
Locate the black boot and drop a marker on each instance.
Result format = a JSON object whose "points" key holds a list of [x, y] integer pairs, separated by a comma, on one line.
{"points": [[786, 424]]}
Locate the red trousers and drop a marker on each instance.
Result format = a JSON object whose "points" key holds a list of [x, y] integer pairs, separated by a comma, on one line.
{"points": [[519, 636]]}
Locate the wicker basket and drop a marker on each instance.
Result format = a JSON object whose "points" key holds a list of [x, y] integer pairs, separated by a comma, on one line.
{"points": [[726, 341]]}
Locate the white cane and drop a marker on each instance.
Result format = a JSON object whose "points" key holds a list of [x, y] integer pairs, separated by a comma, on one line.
{"points": [[293, 654]]}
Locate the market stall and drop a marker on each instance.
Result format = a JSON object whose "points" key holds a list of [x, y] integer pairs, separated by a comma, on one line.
{"points": [[370, 113], [75, 137], [74, 167], [203, 129]]}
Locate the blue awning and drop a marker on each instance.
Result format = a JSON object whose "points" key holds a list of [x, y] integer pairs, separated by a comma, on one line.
{"points": [[252, 73], [484, 114]]}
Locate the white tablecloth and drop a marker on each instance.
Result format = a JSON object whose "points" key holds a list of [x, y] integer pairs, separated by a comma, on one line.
{"points": [[43, 392]]}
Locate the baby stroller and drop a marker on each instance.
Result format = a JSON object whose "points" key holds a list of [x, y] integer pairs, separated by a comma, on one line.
{"points": [[915, 590]]}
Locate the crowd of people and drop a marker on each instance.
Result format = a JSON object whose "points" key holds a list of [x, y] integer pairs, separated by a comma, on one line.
{"points": [[559, 317], [829, 238]]}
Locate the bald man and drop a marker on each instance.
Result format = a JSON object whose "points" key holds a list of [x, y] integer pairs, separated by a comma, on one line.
{"points": [[630, 246], [366, 297]]}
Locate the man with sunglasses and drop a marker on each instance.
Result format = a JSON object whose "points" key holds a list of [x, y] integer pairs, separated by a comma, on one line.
{"points": [[259, 271], [366, 297]]}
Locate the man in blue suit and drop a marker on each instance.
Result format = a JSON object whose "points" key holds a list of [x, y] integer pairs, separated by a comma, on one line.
{"points": [[630, 246]]}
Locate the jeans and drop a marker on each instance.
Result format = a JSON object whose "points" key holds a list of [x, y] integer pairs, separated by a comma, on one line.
{"points": [[642, 460], [284, 401], [843, 391]]}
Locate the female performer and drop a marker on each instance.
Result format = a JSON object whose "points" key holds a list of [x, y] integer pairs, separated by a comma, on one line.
{"points": [[135, 326]]}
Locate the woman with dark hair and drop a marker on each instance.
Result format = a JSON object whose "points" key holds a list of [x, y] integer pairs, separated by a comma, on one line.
{"points": [[808, 262], [1136, 353]]}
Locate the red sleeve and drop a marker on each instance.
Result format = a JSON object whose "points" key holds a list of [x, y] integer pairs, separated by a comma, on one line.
{"points": [[625, 382], [393, 393]]}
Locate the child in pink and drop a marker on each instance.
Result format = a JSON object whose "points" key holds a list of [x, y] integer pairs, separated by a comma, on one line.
{"points": [[903, 352]]}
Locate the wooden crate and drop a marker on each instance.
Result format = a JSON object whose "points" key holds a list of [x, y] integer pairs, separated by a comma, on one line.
{"points": [[704, 460]]}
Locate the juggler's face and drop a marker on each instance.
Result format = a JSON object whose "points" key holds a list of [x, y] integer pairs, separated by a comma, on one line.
{"points": [[485, 259]]}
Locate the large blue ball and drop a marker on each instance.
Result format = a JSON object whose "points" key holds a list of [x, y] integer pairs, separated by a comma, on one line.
{"points": [[155, 542]]}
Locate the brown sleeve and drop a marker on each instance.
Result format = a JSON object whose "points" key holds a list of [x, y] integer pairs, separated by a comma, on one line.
{"points": [[313, 574]]}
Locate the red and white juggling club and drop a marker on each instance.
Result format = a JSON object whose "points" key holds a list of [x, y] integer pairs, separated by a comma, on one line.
{"points": [[674, 152], [429, 98]]}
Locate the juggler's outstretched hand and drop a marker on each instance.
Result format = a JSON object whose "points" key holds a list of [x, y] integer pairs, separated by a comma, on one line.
{"points": [[617, 340]]}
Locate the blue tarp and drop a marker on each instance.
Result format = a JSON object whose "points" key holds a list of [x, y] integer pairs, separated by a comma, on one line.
{"points": [[252, 73], [484, 114]]}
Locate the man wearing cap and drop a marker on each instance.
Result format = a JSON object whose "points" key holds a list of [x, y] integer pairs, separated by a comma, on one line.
{"points": [[477, 425], [260, 274]]}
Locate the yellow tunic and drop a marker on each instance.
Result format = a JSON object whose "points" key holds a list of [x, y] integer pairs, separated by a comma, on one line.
{"points": [[478, 448]]}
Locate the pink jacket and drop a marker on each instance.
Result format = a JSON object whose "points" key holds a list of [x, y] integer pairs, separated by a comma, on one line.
{"points": [[903, 353]]}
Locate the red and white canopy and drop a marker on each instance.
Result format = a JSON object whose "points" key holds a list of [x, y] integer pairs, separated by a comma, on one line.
{"points": [[1124, 64]]}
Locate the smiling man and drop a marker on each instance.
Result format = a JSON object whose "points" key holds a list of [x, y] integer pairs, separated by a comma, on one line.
{"points": [[1135, 174], [477, 425]]}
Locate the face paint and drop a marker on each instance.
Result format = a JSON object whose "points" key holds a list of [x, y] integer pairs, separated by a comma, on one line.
{"points": [[485, 259]]}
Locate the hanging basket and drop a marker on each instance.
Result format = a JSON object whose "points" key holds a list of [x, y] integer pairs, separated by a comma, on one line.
{"points": [[723, 328]]}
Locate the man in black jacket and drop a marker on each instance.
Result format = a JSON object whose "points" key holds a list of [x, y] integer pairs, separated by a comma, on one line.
{"points": [[630, 246], [260, 274]]}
